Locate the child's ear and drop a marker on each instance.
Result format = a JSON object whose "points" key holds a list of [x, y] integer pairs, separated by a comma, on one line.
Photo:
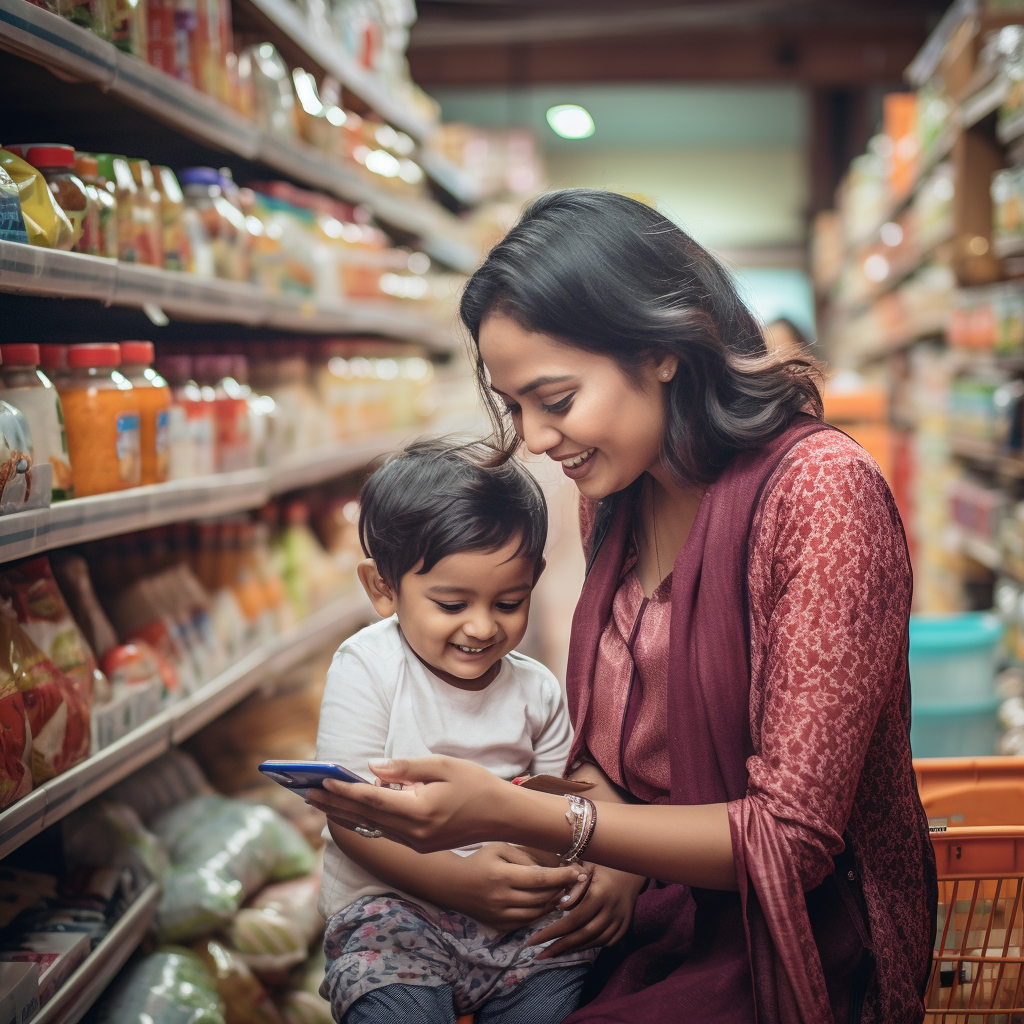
{"points": [[381, 596]]}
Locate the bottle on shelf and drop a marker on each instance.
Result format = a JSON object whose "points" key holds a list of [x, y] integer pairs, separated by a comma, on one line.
{"points": [[117, 172], [53, 362], [153, 396], [149, 223], [88, 169], [234, 443], [102, 419], [192, 431], [29, 390], [57, 165]]}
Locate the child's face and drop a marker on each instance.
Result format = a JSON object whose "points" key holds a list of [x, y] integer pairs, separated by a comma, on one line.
{"points": [[464, 615]]}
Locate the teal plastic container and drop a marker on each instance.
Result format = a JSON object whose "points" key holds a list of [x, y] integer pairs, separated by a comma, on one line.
{"points": [[952, 680]]}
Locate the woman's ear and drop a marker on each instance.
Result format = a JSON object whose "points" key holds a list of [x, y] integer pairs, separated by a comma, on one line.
{"points": [[666, 368], [381, 596]]}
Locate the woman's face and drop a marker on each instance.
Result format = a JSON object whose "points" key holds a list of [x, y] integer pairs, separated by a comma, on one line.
{"points": [[577, 407]]}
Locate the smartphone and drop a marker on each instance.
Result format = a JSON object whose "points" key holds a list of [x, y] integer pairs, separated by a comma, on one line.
{"points": [[299, 776]]}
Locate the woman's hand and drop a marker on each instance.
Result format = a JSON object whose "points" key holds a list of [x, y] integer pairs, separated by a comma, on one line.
{"points": [[444, 803], [504, 887], [599, 919]]}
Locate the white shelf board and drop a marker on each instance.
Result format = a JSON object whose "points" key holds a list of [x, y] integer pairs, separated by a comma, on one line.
{"points": [[46, 38], [988, 99], [330, 55], [140, 508], [32, 270], [73, 999], [60, 796]]}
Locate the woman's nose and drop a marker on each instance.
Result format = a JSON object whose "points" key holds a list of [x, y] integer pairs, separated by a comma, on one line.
{"points": [[539, 435]]}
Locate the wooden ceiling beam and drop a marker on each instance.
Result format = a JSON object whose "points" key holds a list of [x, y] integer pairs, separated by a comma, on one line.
{"points": [[819, 56]]}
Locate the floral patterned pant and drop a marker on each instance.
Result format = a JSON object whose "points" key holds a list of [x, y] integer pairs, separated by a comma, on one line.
{"points": [[386, 940]]}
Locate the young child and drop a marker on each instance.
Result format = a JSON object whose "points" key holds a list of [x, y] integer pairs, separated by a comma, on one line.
{"points": [[454, 550]]}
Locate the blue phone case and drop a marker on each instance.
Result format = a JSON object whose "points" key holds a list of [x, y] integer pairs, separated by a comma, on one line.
{"points": [[303, 775]]}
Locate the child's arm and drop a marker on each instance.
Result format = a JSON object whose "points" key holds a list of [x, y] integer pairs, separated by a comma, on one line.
{"points": [[500, 885]]}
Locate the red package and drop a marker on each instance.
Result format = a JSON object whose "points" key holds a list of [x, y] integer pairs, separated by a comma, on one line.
{"points": [[44, 616], [58, 717], [15, 744]]}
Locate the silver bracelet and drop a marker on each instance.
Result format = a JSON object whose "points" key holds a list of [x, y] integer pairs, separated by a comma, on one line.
{"points": [[582, 815]]}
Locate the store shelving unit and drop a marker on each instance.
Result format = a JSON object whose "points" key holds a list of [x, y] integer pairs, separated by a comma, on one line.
{"points": [[31, 270], [60, 796], [73, 999], [73, 51]]}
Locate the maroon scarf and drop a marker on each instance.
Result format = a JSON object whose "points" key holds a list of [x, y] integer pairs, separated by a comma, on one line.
{"points": [[708, 952]]}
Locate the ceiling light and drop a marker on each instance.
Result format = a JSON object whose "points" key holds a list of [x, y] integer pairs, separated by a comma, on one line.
{"points": [[570, 121]]}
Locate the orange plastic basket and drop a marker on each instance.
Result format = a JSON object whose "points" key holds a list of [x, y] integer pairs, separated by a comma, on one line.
{"points": [[978, 969]]}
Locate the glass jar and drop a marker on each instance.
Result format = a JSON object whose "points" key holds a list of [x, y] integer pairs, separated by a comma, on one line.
{"points": [[31, 391], [224, 223], [88, 169], [149, 243], [53, 360], [172, 209], [153, 397], [101, 416], [57, 166], [116, 170]]}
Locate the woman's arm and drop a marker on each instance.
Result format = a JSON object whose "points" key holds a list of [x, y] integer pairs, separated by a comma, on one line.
{"points": [[499, 884]]}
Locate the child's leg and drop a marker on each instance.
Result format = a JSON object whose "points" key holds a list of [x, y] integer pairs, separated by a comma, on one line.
{"points": [[543, 998], [408, 1004]]}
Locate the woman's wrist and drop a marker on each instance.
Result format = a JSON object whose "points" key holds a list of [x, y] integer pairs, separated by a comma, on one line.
{"points": [[528, 818]]}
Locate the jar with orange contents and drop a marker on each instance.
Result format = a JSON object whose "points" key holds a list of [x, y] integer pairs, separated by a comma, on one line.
{"points": [[102, 420], [153, 397]]}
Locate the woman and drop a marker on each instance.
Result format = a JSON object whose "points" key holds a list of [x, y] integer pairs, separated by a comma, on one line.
{"points": [[737, 673]]}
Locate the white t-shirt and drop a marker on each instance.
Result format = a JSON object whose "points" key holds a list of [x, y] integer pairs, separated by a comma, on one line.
{"points": [[382, 701]]}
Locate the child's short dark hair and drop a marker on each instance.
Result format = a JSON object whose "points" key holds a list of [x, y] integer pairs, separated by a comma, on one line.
{"points": [[442, 496]]}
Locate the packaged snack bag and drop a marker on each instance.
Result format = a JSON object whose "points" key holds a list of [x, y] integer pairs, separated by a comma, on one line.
{"points": [[72, 575], [12, 224], [58, 717], [31, 588], [15, 743], [46, 224]]}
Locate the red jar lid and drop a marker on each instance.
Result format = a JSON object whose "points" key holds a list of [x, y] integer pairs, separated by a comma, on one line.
{"points": [[53, 357], [51, 156], [137, 352], [103, 354], [25, 354]]}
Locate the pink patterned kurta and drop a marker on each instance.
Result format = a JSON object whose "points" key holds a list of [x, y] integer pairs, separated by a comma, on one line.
{"points": [[829, 594]]}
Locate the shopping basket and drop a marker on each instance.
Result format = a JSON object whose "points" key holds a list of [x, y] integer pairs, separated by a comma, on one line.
{"points": [[976, 809]]}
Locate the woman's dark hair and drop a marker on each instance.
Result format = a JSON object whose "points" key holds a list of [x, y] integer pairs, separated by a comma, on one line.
{"points": [[610, 275], [442, 496]]}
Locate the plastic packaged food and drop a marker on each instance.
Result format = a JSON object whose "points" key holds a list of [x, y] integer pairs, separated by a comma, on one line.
{"points": [[57, 165], [149, 242], [172, 986], [152, 396], [12, 224], [192, 432], [245, 1000], [91, 14], [100, 192], [58, 718], [15, 742], [128, 28], [116, 170], [223, 222], [222, 851], [172, 210], [31, 392], [72, 574], [101, 416], [273, 90], [268, 942], [43, 614], [46, 224], [21, 487]]}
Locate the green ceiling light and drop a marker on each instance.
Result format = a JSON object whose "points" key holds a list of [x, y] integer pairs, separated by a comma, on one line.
{"points": [[570, 121]]}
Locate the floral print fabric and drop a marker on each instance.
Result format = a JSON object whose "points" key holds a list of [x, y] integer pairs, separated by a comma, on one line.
{"points": [[385, 940]]}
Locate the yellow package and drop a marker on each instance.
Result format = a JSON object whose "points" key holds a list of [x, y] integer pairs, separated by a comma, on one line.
{"points": [[45, 222]]}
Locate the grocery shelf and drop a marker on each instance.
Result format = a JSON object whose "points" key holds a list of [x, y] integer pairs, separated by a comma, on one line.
{"points": [[926, 329], [1006, 247], [74, 998], [140, 508], [988, 456], [60, 796], [1010, 131], [73, 51], [987, 100], [32, 270], [979, 549]]}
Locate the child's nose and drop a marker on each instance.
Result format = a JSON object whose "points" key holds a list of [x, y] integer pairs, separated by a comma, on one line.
{"points": [[480, 626]]}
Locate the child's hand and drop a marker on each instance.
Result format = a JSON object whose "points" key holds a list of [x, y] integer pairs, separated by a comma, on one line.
{"points": [[504, 887], [600, 918]]}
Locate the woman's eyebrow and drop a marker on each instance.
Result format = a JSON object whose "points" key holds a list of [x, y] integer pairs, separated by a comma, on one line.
{"points": [[540, 382]]}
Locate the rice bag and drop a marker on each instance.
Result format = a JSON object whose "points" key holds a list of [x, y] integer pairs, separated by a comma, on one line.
{"points": [[269, 943], [171, 986], [43, 613], [245, 1000], [221, 852], [58, 717]]}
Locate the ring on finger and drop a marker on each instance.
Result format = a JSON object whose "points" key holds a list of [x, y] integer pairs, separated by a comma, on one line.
{"points": [[368, 833]]}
